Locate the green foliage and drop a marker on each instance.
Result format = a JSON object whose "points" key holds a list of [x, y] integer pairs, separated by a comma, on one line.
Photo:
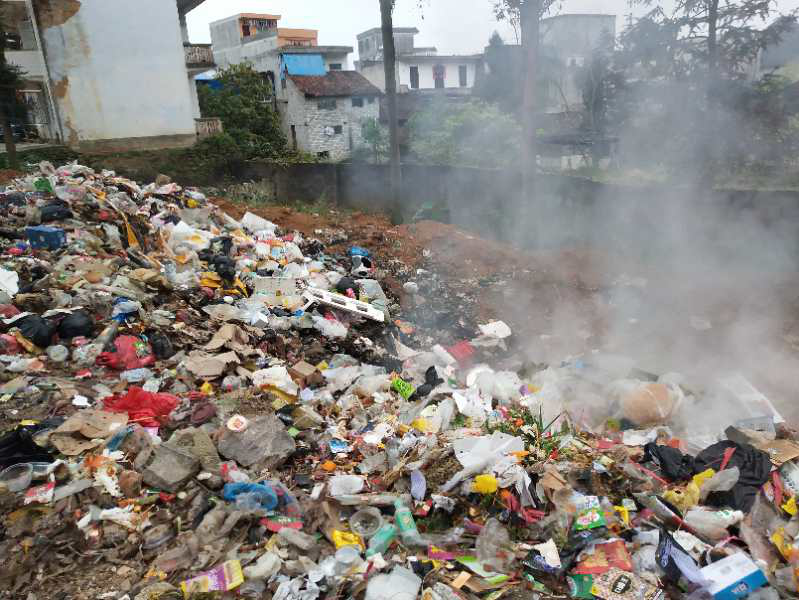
{"points": [[470, 134], [375, 137], [245, 105]]}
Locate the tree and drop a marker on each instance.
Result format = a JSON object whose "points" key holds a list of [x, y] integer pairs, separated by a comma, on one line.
{"points": [[376, 140], [528, 13], [474, 134], [243, 103], [496, 40], [11, 78], [704, 46], [390, 67]]}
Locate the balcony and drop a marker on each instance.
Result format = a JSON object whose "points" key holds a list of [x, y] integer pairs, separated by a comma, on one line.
{"points": [[199, 56]]}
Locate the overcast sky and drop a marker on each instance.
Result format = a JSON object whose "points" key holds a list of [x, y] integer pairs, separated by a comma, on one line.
{"points": [[454, 26]]}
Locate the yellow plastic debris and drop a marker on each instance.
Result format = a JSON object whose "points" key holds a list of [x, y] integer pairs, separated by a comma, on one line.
{"points": [[346, 538], [790, 506], [485, 484]]}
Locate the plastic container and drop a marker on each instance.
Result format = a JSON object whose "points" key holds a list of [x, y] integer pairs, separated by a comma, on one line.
{"points": [[259, 493], [382, 539], [348, 559], [366, 522], [42, 236], [17, 477], [406, 525]]}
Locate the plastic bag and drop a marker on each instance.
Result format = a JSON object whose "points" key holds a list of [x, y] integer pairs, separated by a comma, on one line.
{"points": [[493, 547], [131, 353], [261, 494], [77, 324], [38, 330], [145, 408]]}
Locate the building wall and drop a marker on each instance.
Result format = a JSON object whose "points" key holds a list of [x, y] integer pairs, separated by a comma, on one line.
{"points": [[426, 80], [375, 73], [109, 82], [311, 123]]}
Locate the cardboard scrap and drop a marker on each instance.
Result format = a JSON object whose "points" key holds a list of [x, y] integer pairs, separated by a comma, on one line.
{"points": [[86, 429], [207, 366], [232, 337]]}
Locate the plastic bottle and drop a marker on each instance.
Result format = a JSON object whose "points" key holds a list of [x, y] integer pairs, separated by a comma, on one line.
{"points": [[382, 539], [406, 525]]}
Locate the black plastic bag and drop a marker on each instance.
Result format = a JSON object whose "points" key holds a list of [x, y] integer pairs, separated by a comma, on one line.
{"points": [[162, 346], [37, 329], [17, 446], [57, 211], [673, 464], [754, 465], [78, 324]]}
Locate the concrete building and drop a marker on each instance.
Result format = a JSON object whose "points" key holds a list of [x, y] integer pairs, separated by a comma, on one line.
{"points": [[322, 114], [106, 75], [418, 68], [257, 39], [568, 42]]}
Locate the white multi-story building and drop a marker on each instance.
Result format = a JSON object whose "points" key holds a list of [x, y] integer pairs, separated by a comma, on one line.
{"points": [[418, 68], [103, 75]]}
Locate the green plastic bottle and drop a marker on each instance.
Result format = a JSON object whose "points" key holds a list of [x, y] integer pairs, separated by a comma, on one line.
{"points": [[382, 539], [407, 526]]}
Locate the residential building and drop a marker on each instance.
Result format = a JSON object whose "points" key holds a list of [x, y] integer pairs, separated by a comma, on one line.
{"points": [[323, 113], [303, 38], [568, 42], [418, 68], [105, 75], [257, 39]]}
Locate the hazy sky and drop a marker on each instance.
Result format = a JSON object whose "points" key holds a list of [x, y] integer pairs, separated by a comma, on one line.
{"points": [[454, 26]]}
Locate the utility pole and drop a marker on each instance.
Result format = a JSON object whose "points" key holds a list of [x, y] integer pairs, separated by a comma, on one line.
{"points": [[389, 64], [530, 17]]}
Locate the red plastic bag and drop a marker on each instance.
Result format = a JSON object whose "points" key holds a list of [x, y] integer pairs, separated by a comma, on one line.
{"points": [[145, 408], [131, 353]]}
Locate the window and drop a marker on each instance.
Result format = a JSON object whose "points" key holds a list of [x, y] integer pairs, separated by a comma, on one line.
{"points": [[338, 129], [371, 100], [283, 83], [357, 102], [414, 78], [439, 76], [326, 104], [335, 66], [294, 137], [325, 154], [463, 76], [245, 29]]}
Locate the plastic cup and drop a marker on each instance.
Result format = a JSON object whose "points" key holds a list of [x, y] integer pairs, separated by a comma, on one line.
{"points": [[17, 477]]}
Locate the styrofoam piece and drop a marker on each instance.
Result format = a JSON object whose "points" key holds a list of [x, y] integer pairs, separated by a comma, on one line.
{"points": [[315, 295]]}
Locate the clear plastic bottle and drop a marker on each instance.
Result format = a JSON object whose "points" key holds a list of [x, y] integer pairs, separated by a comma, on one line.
{"points": [[406, 525]]}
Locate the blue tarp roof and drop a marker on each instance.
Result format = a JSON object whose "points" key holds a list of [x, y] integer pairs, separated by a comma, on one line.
{"points": [[302, 64]]}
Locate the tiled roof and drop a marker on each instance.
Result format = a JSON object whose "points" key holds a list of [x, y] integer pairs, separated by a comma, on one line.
{"points": [[335, 83]]}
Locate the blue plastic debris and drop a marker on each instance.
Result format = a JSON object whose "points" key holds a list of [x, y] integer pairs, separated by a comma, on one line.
{"points": [[358, 251], [43, 236]]}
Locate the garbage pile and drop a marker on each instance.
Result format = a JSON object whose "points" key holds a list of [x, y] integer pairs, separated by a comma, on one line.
{"points": [[219, 408]]}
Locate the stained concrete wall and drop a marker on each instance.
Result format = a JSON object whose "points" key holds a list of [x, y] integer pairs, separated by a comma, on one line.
{"points": [[118, 72], [568, 211]]}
